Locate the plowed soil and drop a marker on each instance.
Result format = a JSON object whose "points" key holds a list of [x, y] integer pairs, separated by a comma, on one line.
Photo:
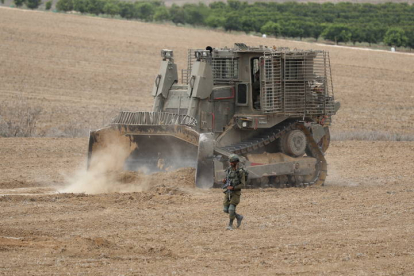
{"points": [[82, 69]]}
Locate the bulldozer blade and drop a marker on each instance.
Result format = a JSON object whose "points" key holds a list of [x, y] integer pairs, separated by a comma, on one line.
{"points": [[146, 148], [160, 153], [108, 146], [205, 163]]}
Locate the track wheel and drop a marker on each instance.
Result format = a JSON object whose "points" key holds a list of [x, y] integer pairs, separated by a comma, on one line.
{"points": [[264, 181], [295, 180], [274, 181], [283, 179], [293, 143]]}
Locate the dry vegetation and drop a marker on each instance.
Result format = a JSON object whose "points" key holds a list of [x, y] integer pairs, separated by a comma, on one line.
{"points": [[80, 70]]}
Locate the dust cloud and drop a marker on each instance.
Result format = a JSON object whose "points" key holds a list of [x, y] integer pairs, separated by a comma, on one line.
{"points": [[106, 172], [109, 154], [336, 178]]}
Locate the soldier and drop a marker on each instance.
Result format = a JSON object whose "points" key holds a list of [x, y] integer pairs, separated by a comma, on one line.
{"points": [[233, 183]]}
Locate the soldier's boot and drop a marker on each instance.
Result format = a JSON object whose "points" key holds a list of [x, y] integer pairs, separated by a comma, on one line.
{"points": [[239, 220], [230, 226]]}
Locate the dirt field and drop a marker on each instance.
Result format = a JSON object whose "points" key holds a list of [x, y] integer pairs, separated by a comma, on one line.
{"points": [[360, 223], [80, 70]]}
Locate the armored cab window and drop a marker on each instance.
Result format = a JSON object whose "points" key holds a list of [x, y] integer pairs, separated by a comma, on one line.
{"points": [[242, 94], [225, 70], [255, 81]]}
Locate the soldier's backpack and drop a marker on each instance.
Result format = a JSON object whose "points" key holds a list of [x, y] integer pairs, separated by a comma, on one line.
{"points": [[246, 173]]}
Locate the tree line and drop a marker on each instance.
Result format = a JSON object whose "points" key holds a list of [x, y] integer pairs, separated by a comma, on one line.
{"points": [[390, 23]]}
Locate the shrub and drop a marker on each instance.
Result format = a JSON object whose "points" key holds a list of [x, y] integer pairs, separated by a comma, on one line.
{"points": [[395, 37], [33, 4], [195, 14], [64, 5], [126, 10], [232, 22], [79, 5], [18, 119], [18, 3], [145, 10], [271, 28], [215, 21], [177, 14], [111, 7], [48, 5], [337, 33], [75, 129], [95, 6], [162, 14]]}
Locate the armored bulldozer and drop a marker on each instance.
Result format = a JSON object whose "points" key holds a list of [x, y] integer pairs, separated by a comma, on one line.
{"points": [[271, 106]]}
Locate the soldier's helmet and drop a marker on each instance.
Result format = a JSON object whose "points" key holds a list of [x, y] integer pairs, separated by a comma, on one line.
{"points": [[234, 158]]}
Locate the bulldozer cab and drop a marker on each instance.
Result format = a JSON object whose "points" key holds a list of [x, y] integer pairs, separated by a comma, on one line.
{"points": [[275, 82]]}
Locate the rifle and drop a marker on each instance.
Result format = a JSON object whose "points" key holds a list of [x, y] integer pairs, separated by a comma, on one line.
{"points": [[227, 184]]}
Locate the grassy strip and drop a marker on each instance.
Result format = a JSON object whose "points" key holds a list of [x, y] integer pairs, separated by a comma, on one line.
{"points": [[370, 135]]}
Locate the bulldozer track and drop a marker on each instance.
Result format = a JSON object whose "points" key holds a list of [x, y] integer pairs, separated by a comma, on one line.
{"points": [[276, 132], [317, 153], [263, 139]]}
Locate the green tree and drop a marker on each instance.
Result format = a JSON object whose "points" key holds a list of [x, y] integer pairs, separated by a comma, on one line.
{"points": [[357, 34], [126, 10], [234, 4], [291, 29], [395, 37], [162, 14], [177, 14], [215, 21], [48, 5], [372, 33], [232, 22], [271, 28], [328, 12], [410, 37], [217, 5], [80, 5], [33, 4], [145, 10], [317, 31], [337, 33], [247, 24], [195, 14], [95, 6], [111, 7], [308, 28], [64, 5], [18, 3], [2, 1]]}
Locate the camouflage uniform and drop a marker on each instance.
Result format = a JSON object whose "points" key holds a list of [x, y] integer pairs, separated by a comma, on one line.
{"points": [[232, 197]]}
